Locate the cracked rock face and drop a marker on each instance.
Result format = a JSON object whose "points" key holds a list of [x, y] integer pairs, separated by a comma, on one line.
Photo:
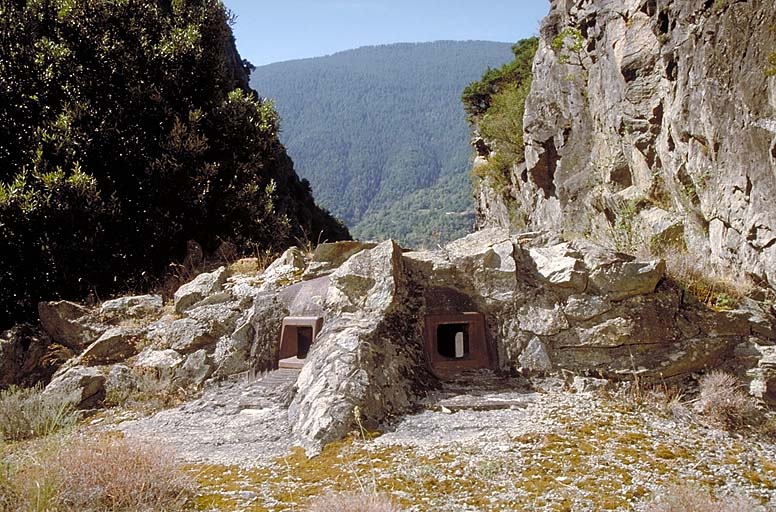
{"points": [[659, 132]]}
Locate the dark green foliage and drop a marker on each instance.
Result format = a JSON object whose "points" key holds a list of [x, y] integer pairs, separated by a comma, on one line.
{"points": [[426, 217], [126, 129], [373, 126], [477, 96]]}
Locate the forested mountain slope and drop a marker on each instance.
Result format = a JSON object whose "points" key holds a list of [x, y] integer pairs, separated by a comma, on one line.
{"points": [[370, 127]]}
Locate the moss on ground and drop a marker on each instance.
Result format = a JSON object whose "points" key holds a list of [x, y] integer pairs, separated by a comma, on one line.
{"points": [[609, 461]]}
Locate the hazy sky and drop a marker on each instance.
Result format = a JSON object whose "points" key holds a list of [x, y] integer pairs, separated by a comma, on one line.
{"points": [[276, 30]]}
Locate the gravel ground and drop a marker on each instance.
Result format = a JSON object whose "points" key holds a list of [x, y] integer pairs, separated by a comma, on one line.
{"points": [[535, 451]]}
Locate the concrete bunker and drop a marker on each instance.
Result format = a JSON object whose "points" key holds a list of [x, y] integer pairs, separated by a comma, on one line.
{"points": [[456, 342], [297, 336]]}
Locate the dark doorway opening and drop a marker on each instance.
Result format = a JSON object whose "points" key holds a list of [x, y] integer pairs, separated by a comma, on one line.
{"points": [[297, 336], [456, 342], [304, 339], [453, 340]]}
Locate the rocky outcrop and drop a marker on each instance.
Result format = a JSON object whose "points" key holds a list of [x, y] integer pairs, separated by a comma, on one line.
{"points": [[70, 324], [367, 363], [652, 124], [539, 306], [202, 286]]}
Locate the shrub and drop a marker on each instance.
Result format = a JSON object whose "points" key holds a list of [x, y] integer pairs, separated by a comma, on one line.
{"points": [[723, 403], [97, 474], [129, 127], [691, 498], [354, 502], [716, 288], [26, 413], [477, 97], [148, 392]]}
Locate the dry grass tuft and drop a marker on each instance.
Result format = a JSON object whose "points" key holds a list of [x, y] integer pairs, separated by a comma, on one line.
{"points": [[96, 474], [660, 398], [714, 287], [354, 502], [148, 393], [691, 498], [26, 413], [723, 403]]}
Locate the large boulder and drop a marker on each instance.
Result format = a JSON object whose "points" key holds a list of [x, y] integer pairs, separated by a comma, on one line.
{"points": [[69, 324], [202, 286], [625, 279], [561, 266], [116, 344], [81, 386], [161, 363], [186, 335], [367, 361]]}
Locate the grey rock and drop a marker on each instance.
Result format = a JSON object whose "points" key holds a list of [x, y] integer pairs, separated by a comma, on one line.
{"points": [[329, 256], [119, 383], [285, 270], [542, 316], [633, 142], [627, 279], [560, 266], [116, 344], [82, 387], [201, 287], [131, 307], [535, 357], [584, 307], [763, 382], [216, 319], [366, 361], [162, 362], [194, 371], [255, 342], [588, 384], [69, 324], [187, 335]]}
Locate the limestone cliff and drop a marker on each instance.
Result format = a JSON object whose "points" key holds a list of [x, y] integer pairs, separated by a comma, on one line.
{"points": [[652, 124]]}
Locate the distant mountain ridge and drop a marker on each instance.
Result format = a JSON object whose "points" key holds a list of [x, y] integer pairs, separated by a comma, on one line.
{"points": [[372, 126]]}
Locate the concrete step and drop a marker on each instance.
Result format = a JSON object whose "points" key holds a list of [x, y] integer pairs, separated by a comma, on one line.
{"points": [[291, 363]]}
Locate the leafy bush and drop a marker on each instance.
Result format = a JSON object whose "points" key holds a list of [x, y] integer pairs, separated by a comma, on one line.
{"points": [[127, 129], [722, 401], [478, 96], [354, 502], [691, 498], [503, 122], [26, 413], [568, 46], [98, 474]]}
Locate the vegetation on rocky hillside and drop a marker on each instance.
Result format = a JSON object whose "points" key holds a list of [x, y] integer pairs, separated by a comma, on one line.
{"points": [[370, 127], [126, 129], [496, 104]]}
